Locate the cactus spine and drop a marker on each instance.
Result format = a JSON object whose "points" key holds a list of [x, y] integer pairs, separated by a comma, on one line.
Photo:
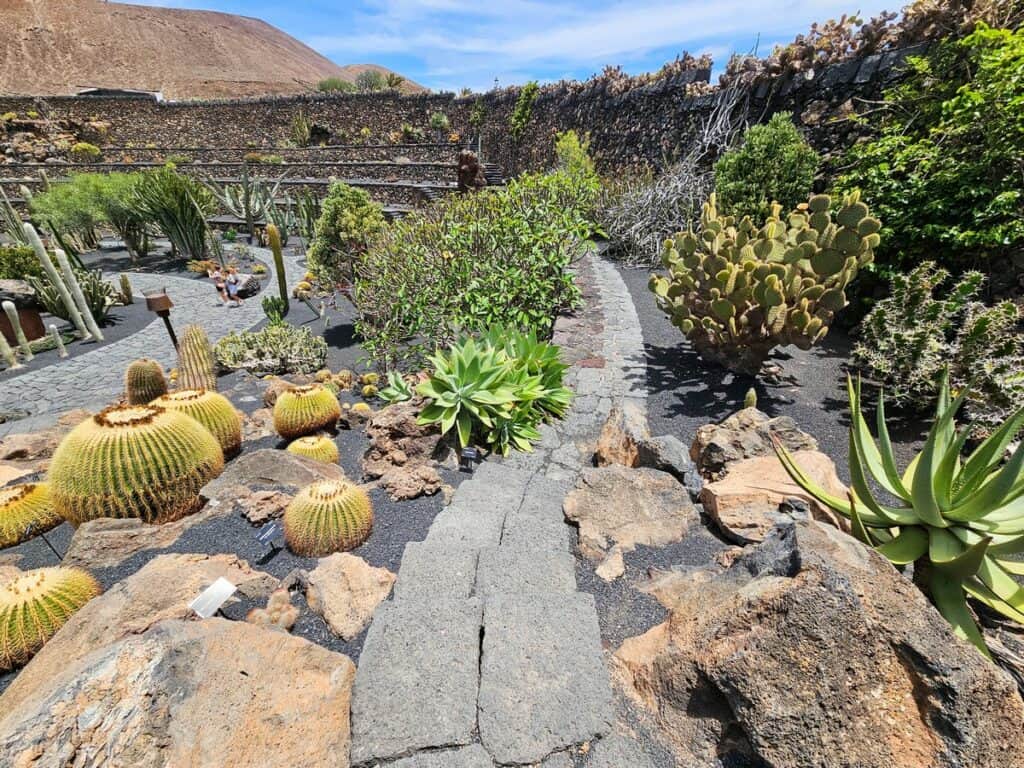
{"points": [[195, 360], [77, 295], [58, 283], [34, 605], [62, 351], [328, 516], [274, 240], [19, 333], [318, 448], [139, 461], [213, 411], [25, 510], [144, 381], [304, 410]]}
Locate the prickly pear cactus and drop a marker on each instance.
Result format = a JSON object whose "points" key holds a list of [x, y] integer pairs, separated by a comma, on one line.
{"points": [[195, 360], [144, 381], [737, 291]]}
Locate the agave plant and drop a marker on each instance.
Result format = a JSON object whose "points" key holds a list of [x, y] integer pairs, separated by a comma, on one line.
{"points": [[538, 359], [398, 389], [958, 520]]}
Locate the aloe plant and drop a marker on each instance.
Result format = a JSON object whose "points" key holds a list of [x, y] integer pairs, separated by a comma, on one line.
{"points": [[958, 520], [398, 389]]}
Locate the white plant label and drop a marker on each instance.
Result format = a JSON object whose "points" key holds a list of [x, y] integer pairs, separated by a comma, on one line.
{"points": [[212, 598]]}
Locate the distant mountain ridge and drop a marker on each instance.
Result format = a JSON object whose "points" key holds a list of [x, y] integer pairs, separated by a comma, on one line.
{"points": [[59, 47]]}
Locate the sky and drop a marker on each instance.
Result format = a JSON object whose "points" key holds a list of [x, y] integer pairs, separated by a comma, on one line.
{"points": [[452, 44]]}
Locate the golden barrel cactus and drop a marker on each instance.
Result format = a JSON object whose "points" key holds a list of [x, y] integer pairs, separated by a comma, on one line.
{"points": [[25, 510], [328, 516], [213, 411], [316, 447], [144, 381], [140, 461], [304, 410], [34, 605]]}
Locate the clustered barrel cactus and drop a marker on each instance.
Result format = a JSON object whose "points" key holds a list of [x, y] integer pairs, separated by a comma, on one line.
{"points": [[738, 290], [317, 447], [328, 516], [304, 410], [25, 510], [213, 411], [144, 381]]}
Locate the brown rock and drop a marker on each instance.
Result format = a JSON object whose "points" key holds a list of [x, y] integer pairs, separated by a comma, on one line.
{"points": [[612, 567], [619, 506], [268, 467], [622, 436], [811, 650], [745, 503], [258, 424], [402, 453], [10, 471], [260, 506], [744, 435], [409, 482], [275, 388], [346, 590], [28, 446], [204, 693]]}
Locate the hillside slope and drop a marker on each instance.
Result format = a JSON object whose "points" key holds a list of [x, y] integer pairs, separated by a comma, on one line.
{"points": [[57, 47]]}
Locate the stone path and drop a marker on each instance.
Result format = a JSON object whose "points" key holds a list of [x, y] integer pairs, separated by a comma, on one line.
{"points": [[90, 380], [487, 654]]}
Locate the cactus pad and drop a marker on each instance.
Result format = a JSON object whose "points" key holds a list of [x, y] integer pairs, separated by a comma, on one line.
{"points": [[144, 381], [25, 510], [304, 410], [140, 461], [213, 411], [318, 448], [328, 516]]}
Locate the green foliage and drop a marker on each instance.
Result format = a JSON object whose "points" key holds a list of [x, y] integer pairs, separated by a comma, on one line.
{"points": [[10, 221], [398, 389], [231, 235], [500, 256], [959, 521], [477, 114], [302, 129], [944, 171], [179, 205], [335, 85], [911, 337], [523, 110], [393, 81], [738, 290], [773, 164], [72, 207], [18, 262], [84, 152], [178, 159], [275, 308], [348, 220], [439, 122], [573, 159], [276, 349], [99, 294], [371, 81]]}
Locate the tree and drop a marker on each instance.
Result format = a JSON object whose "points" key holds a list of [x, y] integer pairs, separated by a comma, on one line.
{"points": [[370, 81]]}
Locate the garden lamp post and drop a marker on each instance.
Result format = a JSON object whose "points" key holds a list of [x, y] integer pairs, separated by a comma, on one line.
{"points": [[158, 302]]}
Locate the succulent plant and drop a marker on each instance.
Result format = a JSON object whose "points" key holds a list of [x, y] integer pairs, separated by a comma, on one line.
{"points": [[737, 290], [25, 510], [344, 378], [750, 399], [323, 375], [139, 461], [369, 391], [960, 521], [274, 241], [328, 516], [144, 381], [369, 379], [34, 605], [213, 411], [316, 447], [304, 410], [398, 389], [279, 613], [277, 348], [195, 360]]}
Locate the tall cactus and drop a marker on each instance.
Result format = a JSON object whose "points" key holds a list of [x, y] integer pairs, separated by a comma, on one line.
{"points": [[77, 295], [55, 278], [274, 240], [19, 333], [144, 381], [195, 361], [737, 290], [125, 293], [8, 354], [62, 351]]}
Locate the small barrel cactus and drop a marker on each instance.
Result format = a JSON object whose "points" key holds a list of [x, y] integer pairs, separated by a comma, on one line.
{"points": [[25, 510], [195, 360], [213, 411], [304, 410], [737, 291], [34, 605], [318, 448], [144, 381], [139, 461], [344, 378], [328, 516], [369, 379], [369, 391]]}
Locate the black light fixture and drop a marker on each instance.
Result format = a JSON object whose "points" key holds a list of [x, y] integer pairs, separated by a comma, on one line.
{"points": [[468, 457], [158, 302]]}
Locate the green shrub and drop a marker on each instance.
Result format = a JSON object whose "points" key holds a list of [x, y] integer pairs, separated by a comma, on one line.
{"points": [[439, 122], [523, 110], [371, 81], [7, 117], [178, 159], [335, 85], [348, 220], [18, 262], [84, 152], [179, 205], [774, 163], [99, 294], [278, 348], [910, 338], [573, 159]]}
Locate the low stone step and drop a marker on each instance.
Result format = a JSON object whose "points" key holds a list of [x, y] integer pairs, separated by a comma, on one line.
{"points": [[524, 570], [416, 685], [473, 756], [437, 567], [543, 682], [523, 530], [476, 527]]}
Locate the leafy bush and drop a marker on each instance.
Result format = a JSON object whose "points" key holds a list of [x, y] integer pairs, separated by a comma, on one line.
{"points": [[500, 256], [774, 163], [523, 110], [348, 220], [18, 262], [71, 207], [439, 122], [178, 159], [335, 85], [944, 171], [99, 294], [910, 338], [278, 348], [179, 205], [371, 81], [84, 152], [957, 520]]}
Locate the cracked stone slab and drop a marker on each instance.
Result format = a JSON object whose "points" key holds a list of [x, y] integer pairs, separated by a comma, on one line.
{"points": [[543, 682], [473, 756], [438, 567], [524, 570], [523, 530], [416, 685], [618, 751], [469, 527]]}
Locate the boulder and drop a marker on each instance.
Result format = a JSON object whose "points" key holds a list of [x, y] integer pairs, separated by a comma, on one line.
{"points": [[616, 505], [745, 503], [403, 454], [410, 482], [669, 454], [274, 388], [258, 424], [622, 436], [202, 693], [346, 590], [811, 650], [744, 435], [268, 467], [260, 506], [32, 446], [20, 293], [108, 542]]}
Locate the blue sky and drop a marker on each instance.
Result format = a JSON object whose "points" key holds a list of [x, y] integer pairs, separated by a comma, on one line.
{"points": [[449, 44]]}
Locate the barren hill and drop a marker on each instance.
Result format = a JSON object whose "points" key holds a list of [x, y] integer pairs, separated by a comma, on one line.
{"points": [[58, 47]]}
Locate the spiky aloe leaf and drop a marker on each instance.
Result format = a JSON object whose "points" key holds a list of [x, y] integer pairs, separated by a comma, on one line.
{"points": [[947, 592]]}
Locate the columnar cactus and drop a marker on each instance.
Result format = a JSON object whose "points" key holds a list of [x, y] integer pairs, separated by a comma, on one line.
{"points": [[318, 448], [144, 381], [737, 291], [125, 293], [76, 293], [58, 342], [213, 411], [304, 410], [196, 368], [274, 240], [34, 605], [8, 354], [25, 510], [19, 333], [328, 516], [139, 461], [51, 271]]}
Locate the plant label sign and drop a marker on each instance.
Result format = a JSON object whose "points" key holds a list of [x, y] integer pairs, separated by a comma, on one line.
{"points": [[212, 598]]}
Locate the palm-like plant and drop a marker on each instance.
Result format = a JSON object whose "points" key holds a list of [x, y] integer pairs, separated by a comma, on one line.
{"points": [[957, 520], [179, 205]]}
